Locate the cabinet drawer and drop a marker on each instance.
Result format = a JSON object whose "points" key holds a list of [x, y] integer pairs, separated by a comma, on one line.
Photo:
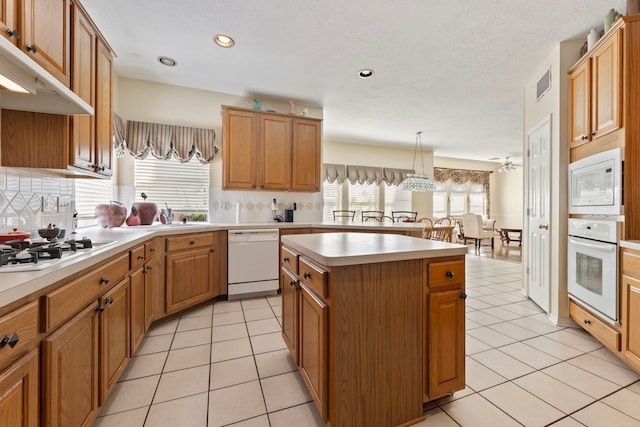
{"points": [[22, 322], [596, 327], [289, 259], [63, 303], [150, 249], [189, 241], [137, 256], [445, 274], [631, 263], [314, 276]]}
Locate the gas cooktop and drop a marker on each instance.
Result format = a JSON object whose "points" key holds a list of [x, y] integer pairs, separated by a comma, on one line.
{"points": [[38, 255]]}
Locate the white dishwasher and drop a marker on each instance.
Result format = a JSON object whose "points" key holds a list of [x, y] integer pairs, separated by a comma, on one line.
{"points": [[252, 263]]}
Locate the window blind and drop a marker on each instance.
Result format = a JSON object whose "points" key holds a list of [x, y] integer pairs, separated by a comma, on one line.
{"points": [[332, 199], [183, 186], [396, 199], [88, 194], [363, 197]]}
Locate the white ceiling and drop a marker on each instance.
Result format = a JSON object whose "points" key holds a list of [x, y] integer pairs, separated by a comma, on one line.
{"points": [[455, 69]]}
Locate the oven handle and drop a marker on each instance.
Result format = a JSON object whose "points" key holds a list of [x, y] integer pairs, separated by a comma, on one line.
{"points": [[603, 248]]}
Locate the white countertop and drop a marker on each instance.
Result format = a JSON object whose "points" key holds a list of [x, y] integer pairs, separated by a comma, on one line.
{"points": [[16, 285], [338, 249], [630, 244]]}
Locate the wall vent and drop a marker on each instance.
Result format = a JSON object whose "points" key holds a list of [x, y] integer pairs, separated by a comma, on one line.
{"points": [[544, 84]]}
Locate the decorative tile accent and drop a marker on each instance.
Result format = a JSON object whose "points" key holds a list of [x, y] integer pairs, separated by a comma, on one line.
{"points": [[35, 204]]}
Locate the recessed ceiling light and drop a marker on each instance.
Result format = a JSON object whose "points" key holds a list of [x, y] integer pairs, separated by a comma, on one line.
{"points": [[169, 62], [365, 73], [223, 40]]}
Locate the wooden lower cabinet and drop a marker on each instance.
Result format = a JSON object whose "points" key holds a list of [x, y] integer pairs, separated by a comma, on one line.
{"points": [[290, 311], [445, 344], [631, 316], [19, 391], [313, 347], [189, 278], [115, 336], [70, 372], [137, 309]]}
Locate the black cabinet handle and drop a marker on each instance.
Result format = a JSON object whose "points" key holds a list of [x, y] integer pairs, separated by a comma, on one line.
{"points": [[292, 284], [584, 137], [463, 295], [146, 269], [449, 274], [32, 49], [4, 341], [100, 308], [109, 300], [13, 340], [306, 275], [140, 256], [104, 280], [152, 250], [192, 242], [587, 322], [14, 33], [593, 134], [285, 259]]}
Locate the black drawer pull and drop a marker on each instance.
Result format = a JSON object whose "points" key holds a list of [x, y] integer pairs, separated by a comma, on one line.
{"points": [[192, 242], [285, 259], [140, 256], [292, 284], [449, 274], [4, 341], [306, 275], [152, 250], [109, 300], [100, 308], [13, 340], [587, 322], [104, 280], [463, 295]]}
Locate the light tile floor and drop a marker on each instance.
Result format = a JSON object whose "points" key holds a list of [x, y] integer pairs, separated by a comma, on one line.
{"points": [[226, 364]]}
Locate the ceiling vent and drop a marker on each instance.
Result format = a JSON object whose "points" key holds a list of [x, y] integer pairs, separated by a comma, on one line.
{"points": [[544, 84]]}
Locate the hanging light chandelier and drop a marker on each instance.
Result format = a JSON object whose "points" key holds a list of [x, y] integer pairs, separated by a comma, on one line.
{"points": [[415, 181], [507, 166]]}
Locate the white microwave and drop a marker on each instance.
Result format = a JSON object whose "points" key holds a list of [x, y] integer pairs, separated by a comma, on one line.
{"points": [[595, 184]]}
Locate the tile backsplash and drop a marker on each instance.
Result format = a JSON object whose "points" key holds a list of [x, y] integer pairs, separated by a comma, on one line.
{"points": [[31, 199]]}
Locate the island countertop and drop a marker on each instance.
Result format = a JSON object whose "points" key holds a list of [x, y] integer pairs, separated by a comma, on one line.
{"points": [[339, 249]]}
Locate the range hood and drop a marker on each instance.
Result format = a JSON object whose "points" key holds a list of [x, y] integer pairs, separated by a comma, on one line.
{"points": [[37, 91]]}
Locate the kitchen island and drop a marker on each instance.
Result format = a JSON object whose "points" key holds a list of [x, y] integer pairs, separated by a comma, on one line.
{"points": [[374, 322]]}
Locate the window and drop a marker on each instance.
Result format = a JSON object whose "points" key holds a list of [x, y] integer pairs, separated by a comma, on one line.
{"points": [[184, 187], [457, 199], [361, 197], [88, 194]]}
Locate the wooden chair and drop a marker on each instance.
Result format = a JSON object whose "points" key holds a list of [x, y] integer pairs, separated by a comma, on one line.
{"points": [[442, 229], [344, 215], [428, 227], [473, 229], [372, 216], [404, 216]]}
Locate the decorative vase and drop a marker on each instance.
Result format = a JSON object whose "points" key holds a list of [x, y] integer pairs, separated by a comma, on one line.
{"points": [[292, 107], [633, 7], [592, 38], [609, 19], [257, 104]]}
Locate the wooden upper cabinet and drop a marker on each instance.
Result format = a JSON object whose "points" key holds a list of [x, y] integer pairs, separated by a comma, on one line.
{"points": [[270, 151], [239, 153], [46, 30], [306, 155], [606, 80], [595, 87], [275, 152], [580, 104], [103, 110], [9, 20]]}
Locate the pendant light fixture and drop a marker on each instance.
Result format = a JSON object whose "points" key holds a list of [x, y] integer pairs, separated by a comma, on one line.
{"points": [[507, 166], [415, 181]]}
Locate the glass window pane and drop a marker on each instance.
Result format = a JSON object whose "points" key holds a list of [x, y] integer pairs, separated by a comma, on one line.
{"points": [[439, 204], [332, 199], [90, 193], [396, 199], [476, 203], [364, 197], [457, 202]]}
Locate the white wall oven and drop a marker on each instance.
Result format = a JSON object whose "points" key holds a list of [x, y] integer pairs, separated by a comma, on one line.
{"points": [[595, 184], [593, 265]]}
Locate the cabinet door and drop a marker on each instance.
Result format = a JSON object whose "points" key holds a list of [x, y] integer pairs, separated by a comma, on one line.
{"points": [[70, 372], [189, 276], [290, 297], [606, 86], [239, 149], [445, 343], [83, 83], [275, 152], [631, 320], [137, 309], [103, 113], [580, 105], [115, 336], [19, 393], [46, 38], [306, 155], [150, 278], [9, 19], [313, 347]]}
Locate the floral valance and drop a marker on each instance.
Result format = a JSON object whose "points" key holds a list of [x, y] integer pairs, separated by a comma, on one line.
{"points": [[394, 176], [364, 174], [461, 176], [166, 141], [334, 173]]}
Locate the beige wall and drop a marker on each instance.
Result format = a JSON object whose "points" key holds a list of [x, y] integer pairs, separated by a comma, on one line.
{"points": [[554, 102]]}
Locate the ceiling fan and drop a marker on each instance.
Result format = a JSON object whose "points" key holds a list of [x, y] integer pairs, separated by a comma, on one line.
{"points": [[507, 166]]}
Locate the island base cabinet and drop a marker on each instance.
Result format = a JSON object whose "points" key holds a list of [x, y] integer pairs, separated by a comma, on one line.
{"points": [[19, 393], [313, 347], [290, 312], [70, 372], [445, 344]]}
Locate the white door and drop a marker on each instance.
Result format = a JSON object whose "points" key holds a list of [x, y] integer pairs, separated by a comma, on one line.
{"points": [[538, 212]]}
